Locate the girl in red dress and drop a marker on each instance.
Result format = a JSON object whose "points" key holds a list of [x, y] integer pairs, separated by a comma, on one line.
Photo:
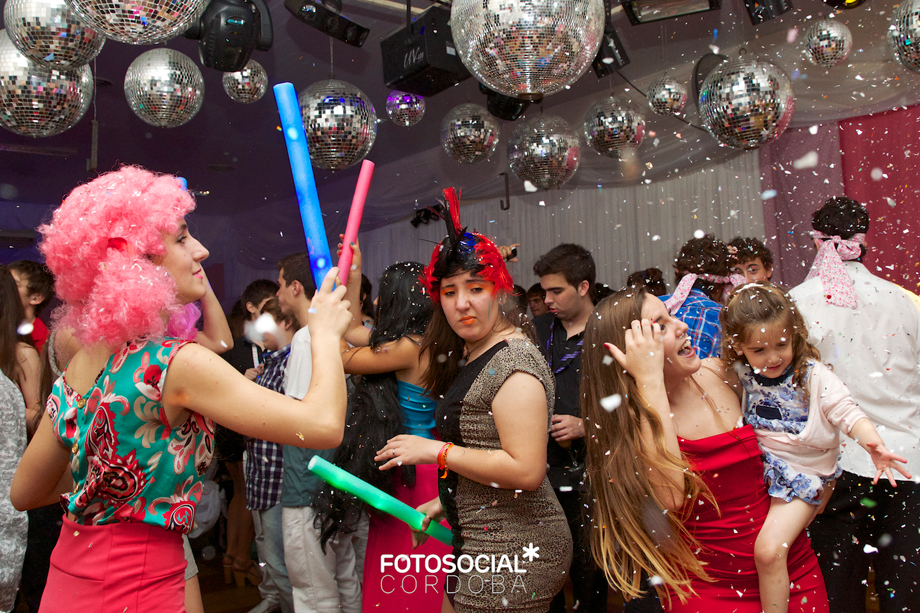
{"points": [[677, 485]]}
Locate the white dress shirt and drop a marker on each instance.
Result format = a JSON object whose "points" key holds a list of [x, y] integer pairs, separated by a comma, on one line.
{"points": [[875, 350]]}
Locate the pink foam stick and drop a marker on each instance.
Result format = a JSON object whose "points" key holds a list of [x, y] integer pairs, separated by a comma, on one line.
{"points": [[354, 218]]}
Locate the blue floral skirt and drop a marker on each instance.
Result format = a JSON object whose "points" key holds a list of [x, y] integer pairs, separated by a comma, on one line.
{"points": [[785, 482]]}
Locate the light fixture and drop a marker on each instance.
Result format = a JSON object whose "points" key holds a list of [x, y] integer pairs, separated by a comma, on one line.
{"points": [[763, 10], [229, 30], [324, 16], [644, 11]]}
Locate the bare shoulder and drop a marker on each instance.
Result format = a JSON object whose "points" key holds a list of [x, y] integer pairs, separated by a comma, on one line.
{"points": [[26, 353], [715, 373]]}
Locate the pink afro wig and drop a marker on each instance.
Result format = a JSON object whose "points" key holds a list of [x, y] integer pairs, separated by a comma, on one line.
{"points": [[100, 246]]}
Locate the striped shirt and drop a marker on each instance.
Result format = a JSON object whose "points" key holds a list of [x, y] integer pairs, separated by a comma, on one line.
{"points": [[263, 459]]}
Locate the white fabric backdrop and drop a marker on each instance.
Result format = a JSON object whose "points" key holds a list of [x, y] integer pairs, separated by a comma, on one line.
{"points": [[625, 228]]}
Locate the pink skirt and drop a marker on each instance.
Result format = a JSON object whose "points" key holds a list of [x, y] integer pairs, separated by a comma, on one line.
{"points": [[116, 568]]}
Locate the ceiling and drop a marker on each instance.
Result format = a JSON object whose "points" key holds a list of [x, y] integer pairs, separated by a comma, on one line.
{"points": [[236, 153]]}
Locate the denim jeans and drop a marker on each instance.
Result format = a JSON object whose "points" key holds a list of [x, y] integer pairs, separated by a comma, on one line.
{"points": [[270, 544]]}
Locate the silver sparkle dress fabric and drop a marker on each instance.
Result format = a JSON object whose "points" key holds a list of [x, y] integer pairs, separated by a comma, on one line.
{"points": [[13, 524]]}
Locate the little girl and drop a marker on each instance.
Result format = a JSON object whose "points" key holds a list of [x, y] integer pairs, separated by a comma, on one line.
{"points": [[798, 408]]}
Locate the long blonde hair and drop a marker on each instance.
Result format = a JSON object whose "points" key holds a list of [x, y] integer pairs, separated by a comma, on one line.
{"points": [[631, 531], [758, 305]]}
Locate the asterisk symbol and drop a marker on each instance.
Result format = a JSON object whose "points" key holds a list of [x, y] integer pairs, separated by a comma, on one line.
{"points": [[531, 552]]}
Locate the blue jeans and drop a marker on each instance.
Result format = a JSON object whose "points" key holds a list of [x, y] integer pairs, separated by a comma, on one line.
{"points": [[270, 543]]}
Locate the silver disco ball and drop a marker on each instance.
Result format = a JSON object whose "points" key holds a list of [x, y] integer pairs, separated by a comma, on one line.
{"points": [[528, 48], [613, 126], [667, 96], [49, 33], [469, 133], [248, 84], [544, 151], [340, 121], [746, 103], [405, 109], [828, 42], [904, 34], [164, 88], [36, 100], [139, 22]]}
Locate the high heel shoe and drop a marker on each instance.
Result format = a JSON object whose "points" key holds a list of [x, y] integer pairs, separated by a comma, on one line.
{"points": [[228, 569], [250, 573]]}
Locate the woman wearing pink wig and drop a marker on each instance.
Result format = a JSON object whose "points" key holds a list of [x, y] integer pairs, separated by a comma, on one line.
{"points": [[129, 431]]}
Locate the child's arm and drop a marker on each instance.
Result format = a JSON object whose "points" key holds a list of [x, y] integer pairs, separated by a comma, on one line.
{"points": [[864, 433]]}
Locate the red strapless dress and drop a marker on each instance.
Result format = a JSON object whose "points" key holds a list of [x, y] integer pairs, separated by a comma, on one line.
{"points": [[731, 466]]}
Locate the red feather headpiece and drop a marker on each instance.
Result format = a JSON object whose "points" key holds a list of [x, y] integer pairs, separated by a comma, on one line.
{"points": [[462, 249]]}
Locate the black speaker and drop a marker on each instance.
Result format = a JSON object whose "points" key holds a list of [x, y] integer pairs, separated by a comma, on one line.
{"points": [[504, 107], [229, 31], [611, 56], [763, 10], [420, 58], [327, 21]]}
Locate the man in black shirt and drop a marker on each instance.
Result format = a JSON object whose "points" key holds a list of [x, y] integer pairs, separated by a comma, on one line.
{"points": [[567, 275]]}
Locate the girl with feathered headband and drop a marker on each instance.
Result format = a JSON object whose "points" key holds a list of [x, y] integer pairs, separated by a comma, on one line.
{"points": [[496, 396], [128, 431]]}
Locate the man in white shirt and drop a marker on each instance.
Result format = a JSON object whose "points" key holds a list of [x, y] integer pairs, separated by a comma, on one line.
{"points": [[868, 329], [328, 580]]}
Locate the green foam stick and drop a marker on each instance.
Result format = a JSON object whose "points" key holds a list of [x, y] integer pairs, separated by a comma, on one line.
{"points": [[380, 500]]}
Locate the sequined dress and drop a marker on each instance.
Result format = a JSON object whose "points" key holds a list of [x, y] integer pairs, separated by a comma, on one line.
{"points": [[501, 524]]}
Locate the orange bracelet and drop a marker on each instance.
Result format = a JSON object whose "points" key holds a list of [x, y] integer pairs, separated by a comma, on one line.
{"points": [[442, 459]]}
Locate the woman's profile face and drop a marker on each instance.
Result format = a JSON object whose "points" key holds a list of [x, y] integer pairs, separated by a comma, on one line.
{"points": [[469, 306], [182, 260], [680, 359]]}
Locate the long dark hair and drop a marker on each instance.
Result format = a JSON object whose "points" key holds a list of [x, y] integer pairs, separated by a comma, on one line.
{"points": [[403, 310], [11, 316]]}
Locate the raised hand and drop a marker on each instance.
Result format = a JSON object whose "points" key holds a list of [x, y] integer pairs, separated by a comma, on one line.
{"points": [[328, 309], [644, 355]]}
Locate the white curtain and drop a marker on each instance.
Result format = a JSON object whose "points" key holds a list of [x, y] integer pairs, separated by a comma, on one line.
{"points": [[625, 228]]}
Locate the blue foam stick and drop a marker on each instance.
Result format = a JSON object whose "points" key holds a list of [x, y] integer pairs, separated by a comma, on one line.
{"points": [[310, 213]]}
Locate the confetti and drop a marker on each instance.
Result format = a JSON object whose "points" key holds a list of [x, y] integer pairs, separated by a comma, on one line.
{"points": [[699, 234], [809, 160], [529, 187], [869, 549], [607, 361], [611, 402], [770, 193], [868, 503], [25, 328]]}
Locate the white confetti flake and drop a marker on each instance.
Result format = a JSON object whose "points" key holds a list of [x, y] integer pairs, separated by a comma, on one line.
{"points": [[770, 193], [869, 549], [655, 580], [699, 234], [813, 129], [611, 402], [529, 187], [809, 160], [876, 174], [607, 361], [25, 328]]}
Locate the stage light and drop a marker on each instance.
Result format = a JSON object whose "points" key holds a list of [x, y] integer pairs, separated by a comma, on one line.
{"points": [[325, 18], [644, 11], [229, 30]]}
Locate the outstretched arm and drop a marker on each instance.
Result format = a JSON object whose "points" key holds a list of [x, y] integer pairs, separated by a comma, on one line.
{"points": [[357, 335], [202, 382], [864, 433], [42, 474]]}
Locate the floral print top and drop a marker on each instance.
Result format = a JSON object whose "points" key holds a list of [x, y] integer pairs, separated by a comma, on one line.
{"points": [[128, 464]]}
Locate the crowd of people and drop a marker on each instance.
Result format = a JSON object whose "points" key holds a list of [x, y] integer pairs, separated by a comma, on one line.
{"points": [[683, 449]]}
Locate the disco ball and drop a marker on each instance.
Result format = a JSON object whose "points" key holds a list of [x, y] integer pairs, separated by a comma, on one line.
{"points": [[544, 151], [469, 133], [904, 34], [667, 96], [528, 48], [612, 126], [49, 33], [248, 84], [164, 88], [828, 42], [139, 22], [405, 109], [340, 121], [746, 103], [39, 101]]}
